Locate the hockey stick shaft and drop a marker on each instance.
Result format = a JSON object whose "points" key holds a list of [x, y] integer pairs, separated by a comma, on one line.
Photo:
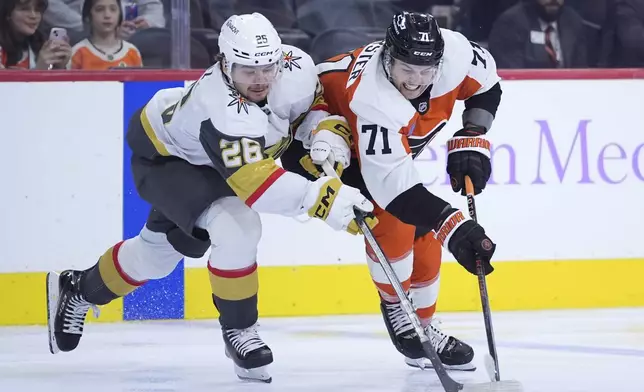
{"points": [[448, 383], [485, 299]]}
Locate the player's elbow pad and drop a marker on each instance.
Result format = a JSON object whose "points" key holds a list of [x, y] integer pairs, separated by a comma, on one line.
{"points": [[481, 109]]}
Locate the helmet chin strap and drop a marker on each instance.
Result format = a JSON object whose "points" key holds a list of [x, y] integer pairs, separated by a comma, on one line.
{"points": [[387, 61]]}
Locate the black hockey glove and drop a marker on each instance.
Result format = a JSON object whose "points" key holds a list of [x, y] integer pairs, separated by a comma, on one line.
{"points": [[468, 154], [466, 240]]}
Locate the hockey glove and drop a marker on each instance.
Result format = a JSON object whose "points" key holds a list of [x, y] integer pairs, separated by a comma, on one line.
{"points": [[334, 203], [331, 141], [466, 240], [468, 154], [370, 219], [316, 170]]}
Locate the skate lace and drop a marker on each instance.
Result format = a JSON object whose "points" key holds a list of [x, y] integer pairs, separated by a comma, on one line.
{"points": [[245, 340], [398, 318], [438, 338], [75, 314]]}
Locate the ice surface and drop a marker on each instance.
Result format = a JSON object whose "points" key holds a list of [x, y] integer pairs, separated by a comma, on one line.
{"points": [[568, 351]]}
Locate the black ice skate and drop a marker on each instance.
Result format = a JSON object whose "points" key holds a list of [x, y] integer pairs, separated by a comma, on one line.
{"points": [[249, 353], [453, 353], [401, 330], [66, 310]]}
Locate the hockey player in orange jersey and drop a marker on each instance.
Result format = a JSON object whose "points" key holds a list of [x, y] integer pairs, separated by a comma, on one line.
{"points": [[397, 95]]}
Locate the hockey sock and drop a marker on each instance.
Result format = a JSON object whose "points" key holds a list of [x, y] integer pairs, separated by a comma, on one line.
{"points": [[234, 293], [425, 278], [106, 280], [401, 265]]}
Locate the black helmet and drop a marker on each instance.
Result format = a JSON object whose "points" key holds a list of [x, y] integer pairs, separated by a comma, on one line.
{"points": [[415, 38]]}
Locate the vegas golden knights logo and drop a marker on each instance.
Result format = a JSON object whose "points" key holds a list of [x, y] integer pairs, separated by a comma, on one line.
{"points": [[325, 202]]}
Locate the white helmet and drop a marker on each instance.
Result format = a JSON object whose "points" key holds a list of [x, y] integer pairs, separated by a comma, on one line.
{"points": [[250, 40]]}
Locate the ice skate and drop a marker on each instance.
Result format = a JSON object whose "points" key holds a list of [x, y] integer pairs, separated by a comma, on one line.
{"points": [[66, 310], [250, 355], [453, 353], [401, 330]]}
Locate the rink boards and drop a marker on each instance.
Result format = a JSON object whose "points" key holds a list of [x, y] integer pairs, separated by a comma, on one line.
{"points": [[564, 203]]}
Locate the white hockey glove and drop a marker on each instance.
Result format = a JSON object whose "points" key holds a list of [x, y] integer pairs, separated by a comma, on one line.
{"points": [[333, 202], [331, 141]]}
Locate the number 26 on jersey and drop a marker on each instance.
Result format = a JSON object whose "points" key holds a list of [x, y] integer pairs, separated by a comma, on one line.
{"points": [[236, 153]]}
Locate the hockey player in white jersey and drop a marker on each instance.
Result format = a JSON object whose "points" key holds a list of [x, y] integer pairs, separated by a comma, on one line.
{"points": [[204, 158], [397, 95]]}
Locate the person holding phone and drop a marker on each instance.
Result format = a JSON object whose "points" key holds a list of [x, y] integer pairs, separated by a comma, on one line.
{"points": [[23, 46], [103, 49], [140, 15]]}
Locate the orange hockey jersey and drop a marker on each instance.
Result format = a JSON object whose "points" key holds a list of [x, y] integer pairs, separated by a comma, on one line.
{"points": [[86, 56], [27, 61], [388, 130]]}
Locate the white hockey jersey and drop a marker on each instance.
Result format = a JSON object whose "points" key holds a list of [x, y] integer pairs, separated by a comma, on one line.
{"points": [[388, 131], [210, 123]]}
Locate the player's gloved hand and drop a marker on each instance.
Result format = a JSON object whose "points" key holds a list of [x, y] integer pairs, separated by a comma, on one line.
{"points": [[466, 240], [331, 141], [333, 202], [468, 154], [369, 218]]}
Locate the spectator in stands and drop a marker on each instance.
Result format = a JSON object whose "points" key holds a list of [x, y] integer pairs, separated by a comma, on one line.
{"points": [[630, 33], [599, 23], [68, 14], [539, 34], [23, 46], [474, 18], [104, 49], [64, 13], [149, 14]]}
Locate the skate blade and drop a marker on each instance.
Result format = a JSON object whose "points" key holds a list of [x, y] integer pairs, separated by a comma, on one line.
{"points": [[497, 386], [259, 374], [424, 363], [53, 292]]}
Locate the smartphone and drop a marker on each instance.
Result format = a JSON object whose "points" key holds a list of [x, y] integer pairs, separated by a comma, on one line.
{"points": [[131, 11], [58, 33]]}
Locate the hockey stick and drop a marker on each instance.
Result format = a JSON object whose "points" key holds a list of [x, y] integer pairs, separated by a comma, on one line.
{"points": [[448, 383], [491, 361]]}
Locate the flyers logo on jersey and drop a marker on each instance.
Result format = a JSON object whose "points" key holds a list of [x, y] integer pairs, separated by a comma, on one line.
{"points": [[417, 143]]}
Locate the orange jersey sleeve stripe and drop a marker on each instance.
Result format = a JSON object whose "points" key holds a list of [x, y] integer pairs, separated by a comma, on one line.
{"points": [[468, 87]]}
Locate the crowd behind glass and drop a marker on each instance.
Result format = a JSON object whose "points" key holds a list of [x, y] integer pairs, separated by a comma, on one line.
{"points": [[105, 34]]}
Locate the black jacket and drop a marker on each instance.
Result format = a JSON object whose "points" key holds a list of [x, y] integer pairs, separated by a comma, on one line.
{"points": [[630, 33], [511, 45]]}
